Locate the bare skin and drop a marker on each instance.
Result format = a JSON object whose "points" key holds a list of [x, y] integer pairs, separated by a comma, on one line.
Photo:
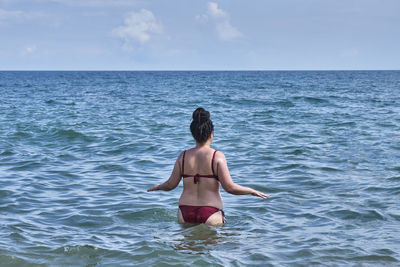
{"points": [[207, 191]]}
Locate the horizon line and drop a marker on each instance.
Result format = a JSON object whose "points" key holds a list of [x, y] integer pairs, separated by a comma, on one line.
{"points": [[200, 70]]}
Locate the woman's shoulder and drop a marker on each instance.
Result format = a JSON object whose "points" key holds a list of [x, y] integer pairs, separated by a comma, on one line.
{"points": [[218, 153], [184, 152], [180, 156], [219, 156]]}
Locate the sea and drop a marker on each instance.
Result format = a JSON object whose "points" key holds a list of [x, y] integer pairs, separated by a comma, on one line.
{"points": [[79, 149]]}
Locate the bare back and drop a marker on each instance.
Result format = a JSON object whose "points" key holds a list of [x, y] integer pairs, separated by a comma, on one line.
{"points": [[206, 191]]}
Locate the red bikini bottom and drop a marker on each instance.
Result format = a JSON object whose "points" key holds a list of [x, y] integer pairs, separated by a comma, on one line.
{"points": [[198, 214]]}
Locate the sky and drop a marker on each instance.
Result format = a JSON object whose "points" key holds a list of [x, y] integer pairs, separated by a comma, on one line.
{"points": [[199, 35]]}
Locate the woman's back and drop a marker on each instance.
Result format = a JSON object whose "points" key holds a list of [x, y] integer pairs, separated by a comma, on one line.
{"points": [[203, 170], [200, 173]]}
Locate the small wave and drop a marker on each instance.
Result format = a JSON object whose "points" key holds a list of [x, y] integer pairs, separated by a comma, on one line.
{"points": [[5, 193], [111, 168], [85, 249], [147, 214], [10, 208], [330, 169], [395, 216], [7, 153], [295, 152], [394, 178], [287, 85], [290, 228], [267, 158], [145, 162], [368, 215], [64, 174], [86, 221], [299, 135], [397, 169], [343, 124], [264, 113], [301, 253], [307, 215], [22, 134], [89, 255], [118, 150], [257, 258], [291, 166], [67, 157], [284, 103], [375, 258], [7, 260], [316, 100], [385, 251], [268, 122], [386, 125], [53, 102], [70, 134], [26, 166], [17, 236], [314, 184], [312, 100], [391, 190], [396, 147]]}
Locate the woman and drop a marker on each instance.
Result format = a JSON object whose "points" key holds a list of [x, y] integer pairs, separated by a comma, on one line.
{"points": [[203, 169]]}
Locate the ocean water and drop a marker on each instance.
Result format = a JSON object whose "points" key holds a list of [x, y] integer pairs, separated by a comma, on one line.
{"points": [[79, 149]]}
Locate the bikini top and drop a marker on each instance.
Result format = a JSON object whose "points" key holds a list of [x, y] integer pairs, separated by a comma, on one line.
{"points": [[197, 176]]}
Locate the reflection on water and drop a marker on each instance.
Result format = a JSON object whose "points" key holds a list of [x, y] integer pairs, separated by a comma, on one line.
{"points": [[198, 238]]}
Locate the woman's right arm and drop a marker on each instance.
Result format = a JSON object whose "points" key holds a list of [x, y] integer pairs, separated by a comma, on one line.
{"points": [[173, 180], [226, 180]]}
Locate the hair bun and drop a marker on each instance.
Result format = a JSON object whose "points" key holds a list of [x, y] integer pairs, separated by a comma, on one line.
{"points": [[201, 126], [200, 115]]}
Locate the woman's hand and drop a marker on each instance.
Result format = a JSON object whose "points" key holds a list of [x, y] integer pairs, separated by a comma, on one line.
{"points": [[259, 194], [154, 188]]}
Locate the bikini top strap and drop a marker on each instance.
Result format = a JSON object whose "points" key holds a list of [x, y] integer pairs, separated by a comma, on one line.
{"points": [[183, 162], [212, 163]]}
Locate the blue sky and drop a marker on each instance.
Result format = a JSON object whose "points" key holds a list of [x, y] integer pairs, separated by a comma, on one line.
{"points": [[199, 35]]}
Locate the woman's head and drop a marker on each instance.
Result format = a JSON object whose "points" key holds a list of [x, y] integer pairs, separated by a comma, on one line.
{"points": [[201, 126]]}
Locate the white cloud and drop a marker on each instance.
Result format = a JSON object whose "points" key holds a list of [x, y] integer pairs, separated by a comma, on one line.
{"points": [[222, 22], [138, 26], [216, 12], [202, 18], [27, 50], [227, 32]]}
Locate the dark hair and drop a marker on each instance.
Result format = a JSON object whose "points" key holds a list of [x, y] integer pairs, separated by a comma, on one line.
{"points": [[201, 126]]}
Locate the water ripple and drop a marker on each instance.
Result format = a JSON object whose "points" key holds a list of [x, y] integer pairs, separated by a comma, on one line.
{"points": [[79, 149]]}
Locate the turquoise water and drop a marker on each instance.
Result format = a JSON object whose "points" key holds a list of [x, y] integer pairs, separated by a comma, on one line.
{"points": [[79, 149]]}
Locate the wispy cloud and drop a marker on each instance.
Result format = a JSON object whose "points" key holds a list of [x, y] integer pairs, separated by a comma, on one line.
{"points": [[88, 3], [221, 19], [352, 52], [97, 3], [10, 14], [17, 15], [138, 26]]}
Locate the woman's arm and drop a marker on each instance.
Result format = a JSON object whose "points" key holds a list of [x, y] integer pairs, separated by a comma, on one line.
{"points": [[173, 180], [226, 181]]}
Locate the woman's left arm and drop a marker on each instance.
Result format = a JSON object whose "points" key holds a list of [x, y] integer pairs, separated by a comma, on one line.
{"points": [[173, 180]]}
